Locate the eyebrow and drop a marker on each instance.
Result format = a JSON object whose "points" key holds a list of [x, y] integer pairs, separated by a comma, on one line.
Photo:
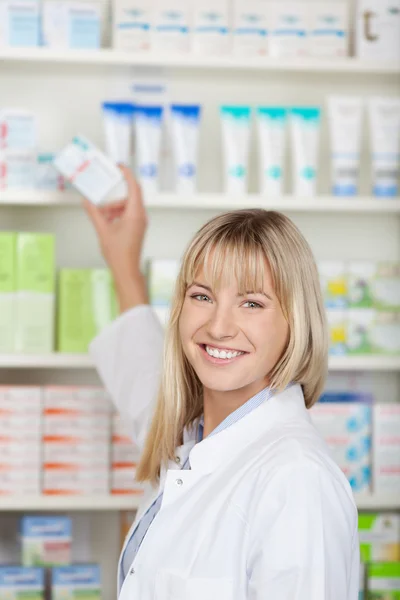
{"points": [[206, 287]]}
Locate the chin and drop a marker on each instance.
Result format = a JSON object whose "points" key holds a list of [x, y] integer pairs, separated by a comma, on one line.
{"points": [[222, 383]]}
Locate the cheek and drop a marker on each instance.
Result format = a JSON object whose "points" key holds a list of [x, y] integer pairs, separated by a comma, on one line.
{"points": [[272, 334]]}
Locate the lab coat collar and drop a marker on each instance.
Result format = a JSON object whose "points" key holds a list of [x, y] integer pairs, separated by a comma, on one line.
{"points": [[207, 455]]}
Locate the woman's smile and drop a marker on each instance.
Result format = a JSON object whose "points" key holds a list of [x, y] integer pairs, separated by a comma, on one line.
{"points": [[219, 355]]}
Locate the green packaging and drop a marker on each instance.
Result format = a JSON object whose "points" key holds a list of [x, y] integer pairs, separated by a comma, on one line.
{"points": [[379, 535], [384, 581], [86, 305], [7, 292], [22, 583], [76, 582], [386, 286], [35, 293]]}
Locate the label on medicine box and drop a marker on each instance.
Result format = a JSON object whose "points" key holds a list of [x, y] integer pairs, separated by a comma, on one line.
{"points": [[88, 169], [46, 541], [76, 582], [22, 583], [379, 535]]}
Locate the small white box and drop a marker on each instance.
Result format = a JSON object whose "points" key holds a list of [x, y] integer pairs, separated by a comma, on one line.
{"points": [[19, 23], [17, 169], [74, 482], [378, 30], [211, 27], [386, 448], [338, 331], [250, 27], [18, 129], [329, 28], [290, 22], [132, 24], [333, 277], [123, 482], [171, 26], [71, 24], [20, 399]]}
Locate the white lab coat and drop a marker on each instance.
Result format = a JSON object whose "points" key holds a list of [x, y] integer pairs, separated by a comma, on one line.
{"points": [[263, 514]]}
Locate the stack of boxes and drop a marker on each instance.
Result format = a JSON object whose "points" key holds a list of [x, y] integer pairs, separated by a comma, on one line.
{"points": [[346, 426], [17, 583], [45, 541], [76, 435], [363, 306], [18, 143], [7, 292], [124, 459], [386, 449], [20, 440]]}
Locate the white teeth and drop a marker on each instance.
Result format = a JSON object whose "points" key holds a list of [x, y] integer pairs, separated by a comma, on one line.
{"points": [[224, 354]]}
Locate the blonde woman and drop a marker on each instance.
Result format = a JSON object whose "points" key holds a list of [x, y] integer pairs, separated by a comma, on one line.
{"points": [[244, 501]]}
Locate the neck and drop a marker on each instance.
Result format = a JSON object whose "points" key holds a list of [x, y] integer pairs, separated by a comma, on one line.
{"points": [[219, 405]]}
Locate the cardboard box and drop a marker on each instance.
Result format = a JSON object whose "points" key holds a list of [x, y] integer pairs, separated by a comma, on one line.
{"points": [[386, 449], [46, 541], [19, 583], [378, 30], [76, 582], [379, 535], [7, 292]]}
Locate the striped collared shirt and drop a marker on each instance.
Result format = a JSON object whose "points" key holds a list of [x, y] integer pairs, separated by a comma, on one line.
{"points": [[140, 531]]}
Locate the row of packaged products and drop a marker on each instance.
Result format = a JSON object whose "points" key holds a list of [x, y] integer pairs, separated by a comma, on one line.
{"points": [[64, 441]]}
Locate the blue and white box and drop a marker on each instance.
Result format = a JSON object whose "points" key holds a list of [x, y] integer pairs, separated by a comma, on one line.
{"points": [[212, 27], [250, 27], [72, 24], [18, 583], [329, 29], [76, 582], [46, 541], [19, 23]]}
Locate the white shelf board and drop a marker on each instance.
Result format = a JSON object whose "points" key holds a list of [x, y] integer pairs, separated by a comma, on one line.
{"points": [[221, 201], [116, 503], [82, 361], [68, 503], [110, 57]]}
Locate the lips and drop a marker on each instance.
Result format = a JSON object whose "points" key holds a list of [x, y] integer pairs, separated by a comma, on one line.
{"points": [[220, 356]]}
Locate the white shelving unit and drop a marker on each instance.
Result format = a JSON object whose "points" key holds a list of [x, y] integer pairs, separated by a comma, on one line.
{"points": [[319, 204], [108, 57]]}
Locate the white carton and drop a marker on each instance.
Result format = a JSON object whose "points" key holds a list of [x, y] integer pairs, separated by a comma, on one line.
{"points": [[329, 28], [378, 30], [80, 400], [171, 25], [20, 399], [361, 275], [17, 169], [373, 332], [290, 21], [132, 24], [71, 24], [18, 129], [250, 27], [333, 277], [76, 482], [19, 23], [386, 449], [211, 27], [338, 331]]}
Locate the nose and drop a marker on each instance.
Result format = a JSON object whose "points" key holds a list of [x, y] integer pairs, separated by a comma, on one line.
{"points": [[222, 324]]}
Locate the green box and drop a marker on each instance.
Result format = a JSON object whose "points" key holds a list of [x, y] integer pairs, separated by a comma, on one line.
{"points": [[7, 292], [86, 305], [379, 535], [373, 332], [35, 293], [386, 286], [384, 581]]}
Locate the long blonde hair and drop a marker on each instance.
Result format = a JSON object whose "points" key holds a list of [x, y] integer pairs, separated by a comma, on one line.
{"points": [[236, 245]]}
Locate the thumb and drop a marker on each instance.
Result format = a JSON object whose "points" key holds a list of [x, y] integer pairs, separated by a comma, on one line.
{"points": [[95, 216]]}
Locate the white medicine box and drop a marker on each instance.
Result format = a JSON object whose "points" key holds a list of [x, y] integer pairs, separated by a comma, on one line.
{"points": [[132, 25], [378, 30], [71, 24]]}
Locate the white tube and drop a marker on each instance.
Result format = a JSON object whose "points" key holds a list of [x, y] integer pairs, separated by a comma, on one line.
{"points": [[148, 123], [345, 117], [118, 120], [305, 123], [185, 133], [236, 138], [384, 118], [271, 125]]}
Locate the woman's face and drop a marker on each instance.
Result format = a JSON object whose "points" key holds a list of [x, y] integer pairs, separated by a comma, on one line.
{"points": [[232, 341]]}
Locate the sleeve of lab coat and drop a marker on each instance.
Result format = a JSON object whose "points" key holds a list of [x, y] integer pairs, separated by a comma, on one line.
{"points": [[128, 358], [303, 539]]}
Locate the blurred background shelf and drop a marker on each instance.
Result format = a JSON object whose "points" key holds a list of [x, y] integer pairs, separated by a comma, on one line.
{"points": [[220, 201], [109, 57]]}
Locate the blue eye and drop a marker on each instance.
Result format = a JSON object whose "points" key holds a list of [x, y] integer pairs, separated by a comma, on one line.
{"points": [[253, 304], [201, 297]]}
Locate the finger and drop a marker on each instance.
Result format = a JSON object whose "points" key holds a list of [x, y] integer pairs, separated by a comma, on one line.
{"points": [[95, 215], [135, 199]]}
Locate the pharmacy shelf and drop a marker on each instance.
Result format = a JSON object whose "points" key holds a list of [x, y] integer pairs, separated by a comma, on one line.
{"points": [[82, 361], [109, 57], [68, 503], [319, 204], [116, 503]]}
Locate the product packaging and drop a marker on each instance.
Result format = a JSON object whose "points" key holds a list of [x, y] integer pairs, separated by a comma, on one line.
{"points": [[20, 583], [47, 176], [362, 589], [7, 292], [171, 26], [305, 126], [329, 28], [333, 277], [236, 141], [17, 170], [361, 275], [45, 541], [211, 27], [88, 170], [373, 332], [148, 128], [185, 133], [384, 119], [35, 293], [386, 286], [347, 430], [271, 126], [124, 459], [132, 24], [76, 582], [338, 331], [250, 27], [345, 120], [19, 23], [386, 449], [18, 130], [289, 28], [379, 535], [378, 30], [384, 581], [74, 24], [162, 277], [118, 128]]}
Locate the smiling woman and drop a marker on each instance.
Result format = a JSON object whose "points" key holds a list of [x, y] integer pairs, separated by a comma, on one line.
{"points": [[244, 501]]}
